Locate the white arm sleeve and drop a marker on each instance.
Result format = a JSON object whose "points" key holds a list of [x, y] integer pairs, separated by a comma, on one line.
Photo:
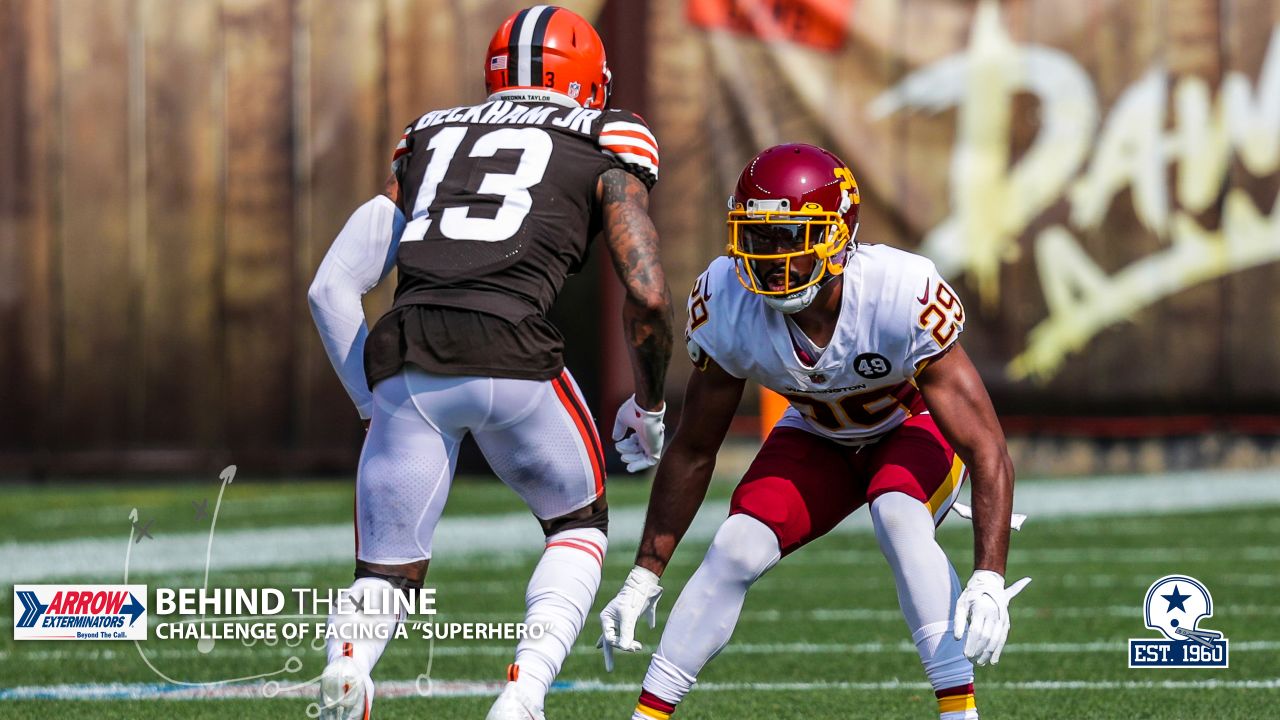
{"points": [[361, 256]]}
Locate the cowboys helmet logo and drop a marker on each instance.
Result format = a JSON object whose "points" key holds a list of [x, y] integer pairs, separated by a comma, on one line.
{"points": [[1175, 605]]}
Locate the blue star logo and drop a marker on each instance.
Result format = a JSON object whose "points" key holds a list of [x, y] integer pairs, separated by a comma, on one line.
{"points": [[1176, 600]]}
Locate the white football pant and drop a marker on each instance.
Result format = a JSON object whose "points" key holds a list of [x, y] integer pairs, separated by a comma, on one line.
{"points": [[537, 436]]}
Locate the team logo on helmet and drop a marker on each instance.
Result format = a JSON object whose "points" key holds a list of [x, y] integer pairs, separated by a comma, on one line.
{"points": [[1175, 605], [792, 219]]}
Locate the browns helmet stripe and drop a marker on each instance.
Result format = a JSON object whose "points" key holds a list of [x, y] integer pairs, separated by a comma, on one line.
{"points": [[514, 66], [535, 45], [527, 35]]}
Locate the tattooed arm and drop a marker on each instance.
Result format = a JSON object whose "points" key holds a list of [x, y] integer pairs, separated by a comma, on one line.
{"points": [[646, 316]]}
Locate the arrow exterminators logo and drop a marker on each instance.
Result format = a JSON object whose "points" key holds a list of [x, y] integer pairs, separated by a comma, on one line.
{"points": [[79, 612]]}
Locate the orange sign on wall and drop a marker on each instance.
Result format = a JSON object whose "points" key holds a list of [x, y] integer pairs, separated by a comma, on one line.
{"points": [[772, 405], [819, 23]]}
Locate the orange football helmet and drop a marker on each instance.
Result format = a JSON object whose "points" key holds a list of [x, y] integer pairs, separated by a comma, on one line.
{"points": [[792, 201], [544, 49]]}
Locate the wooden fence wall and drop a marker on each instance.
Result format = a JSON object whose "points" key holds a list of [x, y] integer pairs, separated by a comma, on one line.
{"points": [[172, 171]]}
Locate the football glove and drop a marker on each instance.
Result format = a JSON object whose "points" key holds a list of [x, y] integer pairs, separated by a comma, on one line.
{"points": [[643, 446], [984, 608], [639, 596]]}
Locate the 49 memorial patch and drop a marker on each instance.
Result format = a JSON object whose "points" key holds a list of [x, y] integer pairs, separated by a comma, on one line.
{"points": [[79, 612]]}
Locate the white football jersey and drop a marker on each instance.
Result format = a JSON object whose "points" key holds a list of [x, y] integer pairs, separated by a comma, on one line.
{"points": [[896, 314]]}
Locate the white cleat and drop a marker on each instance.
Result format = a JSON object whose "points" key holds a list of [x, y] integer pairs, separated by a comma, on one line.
{"points": [[345, 692], [513, 705]]}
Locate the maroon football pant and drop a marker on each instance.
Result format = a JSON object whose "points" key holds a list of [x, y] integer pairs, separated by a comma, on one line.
{"points": [[802, 485]]}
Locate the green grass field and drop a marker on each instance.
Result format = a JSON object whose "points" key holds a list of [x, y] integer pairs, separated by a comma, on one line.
{"points": [[820, 636]]}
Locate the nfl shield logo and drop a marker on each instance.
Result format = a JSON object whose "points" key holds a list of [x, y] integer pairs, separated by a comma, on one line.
{"points": [[574, 89]]}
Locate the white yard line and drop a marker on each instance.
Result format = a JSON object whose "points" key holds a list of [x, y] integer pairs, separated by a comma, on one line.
{"points": [[227, 649], [499, 536], [465, 688]]}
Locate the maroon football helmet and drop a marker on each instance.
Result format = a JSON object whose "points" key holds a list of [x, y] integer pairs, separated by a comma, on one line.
{"points": [[792, 201]]}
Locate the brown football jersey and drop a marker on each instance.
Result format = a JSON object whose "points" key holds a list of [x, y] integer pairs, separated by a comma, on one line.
{"points": [[500, 207]]}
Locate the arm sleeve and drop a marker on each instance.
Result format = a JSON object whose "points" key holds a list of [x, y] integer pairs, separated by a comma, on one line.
{"points": [[361, 256]]}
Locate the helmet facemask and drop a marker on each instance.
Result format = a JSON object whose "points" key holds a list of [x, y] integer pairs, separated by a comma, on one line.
{"points": [[772, 245]]}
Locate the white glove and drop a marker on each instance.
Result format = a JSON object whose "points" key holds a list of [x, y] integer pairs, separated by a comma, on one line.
{"points": [[642, 448], [987, 600], [638, 596]]}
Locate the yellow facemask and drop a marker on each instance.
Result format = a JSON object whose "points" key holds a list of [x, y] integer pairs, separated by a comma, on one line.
{"points": [[760, 234]]}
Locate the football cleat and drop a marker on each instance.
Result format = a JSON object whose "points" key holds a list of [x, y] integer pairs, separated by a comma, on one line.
{"points": [[345, 692], [513, 705]]}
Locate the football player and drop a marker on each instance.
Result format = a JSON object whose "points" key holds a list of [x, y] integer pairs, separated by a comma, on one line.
{"points": [[885, 410], [488, 209]]}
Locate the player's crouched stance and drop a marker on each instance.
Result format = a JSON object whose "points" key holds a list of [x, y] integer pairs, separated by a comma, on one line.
{"points": [[886, 410]]}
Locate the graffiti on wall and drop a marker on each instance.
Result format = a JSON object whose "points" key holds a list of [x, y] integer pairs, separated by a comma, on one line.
{"points": [[1085, 159]]}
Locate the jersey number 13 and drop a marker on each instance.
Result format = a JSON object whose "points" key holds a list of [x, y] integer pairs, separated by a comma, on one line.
{"points": [[457, 223]]}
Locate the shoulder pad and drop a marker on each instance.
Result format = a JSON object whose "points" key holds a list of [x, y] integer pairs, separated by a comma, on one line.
{"points": [[704, 337], [625, 137], [708, 286], [938, 314]]}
